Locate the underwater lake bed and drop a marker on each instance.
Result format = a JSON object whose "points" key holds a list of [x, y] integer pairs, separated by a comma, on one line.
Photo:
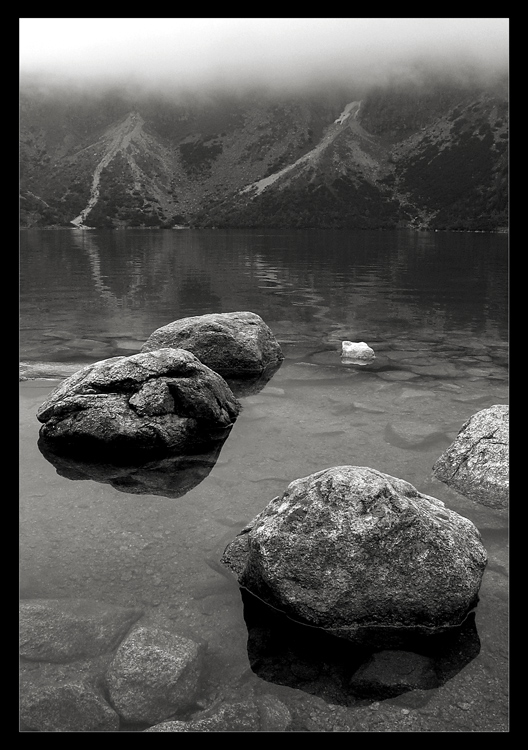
{"points": [[433, 307]]}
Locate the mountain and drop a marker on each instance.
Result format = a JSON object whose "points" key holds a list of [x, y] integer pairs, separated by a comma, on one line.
{"points": [[419, 155]]}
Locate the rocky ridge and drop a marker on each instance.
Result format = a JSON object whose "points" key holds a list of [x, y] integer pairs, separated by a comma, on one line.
{"points": [[424, 157]]}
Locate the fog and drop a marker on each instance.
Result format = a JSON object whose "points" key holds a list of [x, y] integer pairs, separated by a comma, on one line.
{"points": [[283, 53]]}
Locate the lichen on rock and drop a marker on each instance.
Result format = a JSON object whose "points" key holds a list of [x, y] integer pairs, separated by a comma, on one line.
{"points": [[362, 554], [476, 464], [162, 400]]}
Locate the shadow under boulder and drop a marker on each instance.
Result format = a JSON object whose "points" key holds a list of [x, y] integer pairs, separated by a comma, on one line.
{"points": [[169, 476], [285, 652]]}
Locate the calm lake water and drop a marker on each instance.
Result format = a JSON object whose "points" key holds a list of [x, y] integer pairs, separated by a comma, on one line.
{"points": [[433, 306]]}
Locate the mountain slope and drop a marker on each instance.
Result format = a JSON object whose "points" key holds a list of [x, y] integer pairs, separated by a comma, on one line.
{"points": [[433, 158]]}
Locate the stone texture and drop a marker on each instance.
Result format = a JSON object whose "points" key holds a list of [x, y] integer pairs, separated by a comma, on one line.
{"points": [[60, 630], [73, 707], [476, 464], [264, 713], [242, 716], [357, 351], [362, 554], [163, 400], [233, 344], [154, 674]]}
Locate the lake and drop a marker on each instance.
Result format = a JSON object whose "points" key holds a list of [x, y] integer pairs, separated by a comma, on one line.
{"points": [[433, 306]]}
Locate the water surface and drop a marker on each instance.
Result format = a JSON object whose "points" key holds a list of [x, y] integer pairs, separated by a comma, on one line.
{"points": [[433, 306]]}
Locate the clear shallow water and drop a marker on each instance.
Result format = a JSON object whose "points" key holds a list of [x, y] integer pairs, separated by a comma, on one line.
{"points": [[433, 306]]}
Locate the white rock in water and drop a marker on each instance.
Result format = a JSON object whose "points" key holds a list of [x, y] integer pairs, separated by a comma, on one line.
{"points": [[354, 350]]}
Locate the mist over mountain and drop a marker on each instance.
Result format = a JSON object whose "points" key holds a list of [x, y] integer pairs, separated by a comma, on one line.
{"points": [[357, 123]]}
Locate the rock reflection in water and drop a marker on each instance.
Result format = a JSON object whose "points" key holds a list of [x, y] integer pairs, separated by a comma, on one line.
{"points": [[284, 652], [250, 386], [169, 476]]}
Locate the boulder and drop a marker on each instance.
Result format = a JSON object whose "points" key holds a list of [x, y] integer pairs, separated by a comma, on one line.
{"points": [[235, 345], [154, 674], [60, 630], [157, 401], [362, 554], [476, 464]]}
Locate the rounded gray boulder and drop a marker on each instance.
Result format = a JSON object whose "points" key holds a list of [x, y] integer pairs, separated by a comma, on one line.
{"points": [[235, 344], [476, 464], [164, 400], [363, 555], [154, 674]]}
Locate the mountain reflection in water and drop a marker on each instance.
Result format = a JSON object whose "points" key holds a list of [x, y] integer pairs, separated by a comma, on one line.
{"points": [[433, 307]]}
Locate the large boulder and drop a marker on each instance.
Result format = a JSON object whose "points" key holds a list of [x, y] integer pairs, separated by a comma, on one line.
{"points": [[235, 345], [476, 464], [164, 400], [363, 555]]}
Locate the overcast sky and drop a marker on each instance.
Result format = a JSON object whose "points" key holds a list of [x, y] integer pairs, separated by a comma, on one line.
{"points": [[276, 51]]}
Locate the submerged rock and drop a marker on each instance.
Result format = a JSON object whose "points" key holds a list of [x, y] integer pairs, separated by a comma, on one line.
{"points": [[154, 674], [163, 400], [229, 717], [72, 707], [236, 344], [390, 673], [411, 435], [60, 630], [247, 713], [363, 555], [476, 464]]}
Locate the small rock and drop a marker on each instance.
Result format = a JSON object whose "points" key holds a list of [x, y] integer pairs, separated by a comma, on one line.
{"points": [[359, 351]]}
